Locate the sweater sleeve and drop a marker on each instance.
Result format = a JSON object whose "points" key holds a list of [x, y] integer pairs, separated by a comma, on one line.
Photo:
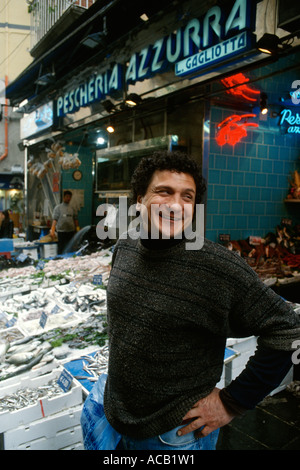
{"points": [[259, 311], [262, 374]]}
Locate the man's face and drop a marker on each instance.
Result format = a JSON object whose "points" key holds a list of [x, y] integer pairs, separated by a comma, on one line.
{"points": [[168, 204], [67, 198]]}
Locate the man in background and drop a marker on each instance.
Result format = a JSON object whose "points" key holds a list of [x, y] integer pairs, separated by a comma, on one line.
{"points": [[64, 222]]}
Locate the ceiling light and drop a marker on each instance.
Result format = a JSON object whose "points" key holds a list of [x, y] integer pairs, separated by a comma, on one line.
{"points": [[144, 17], [93, 40], [268, 43], [44, 80], [133, 99], [110, 129], [100, 140], [263, 103]]}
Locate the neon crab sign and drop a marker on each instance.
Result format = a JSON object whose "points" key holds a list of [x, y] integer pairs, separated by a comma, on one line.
{"points": [[236, 86], [234, 128]]}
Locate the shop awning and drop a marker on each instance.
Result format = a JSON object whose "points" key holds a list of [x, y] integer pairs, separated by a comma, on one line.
{"points": [[66, 55]]}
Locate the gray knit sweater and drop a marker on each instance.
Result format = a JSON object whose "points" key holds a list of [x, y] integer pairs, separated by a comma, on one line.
{"points": [[170, 312]]}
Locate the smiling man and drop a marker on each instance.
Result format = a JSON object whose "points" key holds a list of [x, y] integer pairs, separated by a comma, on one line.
{"points": [[168, 205], [170, 311]]}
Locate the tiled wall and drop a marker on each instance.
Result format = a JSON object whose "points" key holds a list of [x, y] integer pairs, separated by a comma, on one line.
{"points": [[248, 182], [86, 183]]}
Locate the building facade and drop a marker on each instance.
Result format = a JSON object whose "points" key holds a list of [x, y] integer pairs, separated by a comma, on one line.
{"points": [[199, 80]]}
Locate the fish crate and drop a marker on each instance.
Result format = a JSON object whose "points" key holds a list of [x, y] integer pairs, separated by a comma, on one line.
{"points": [[22, 379], [246, 348], [76, 446], [11, 334], [44, 406], [59, 320], [56, 432], [48, 250], [74, 367]]}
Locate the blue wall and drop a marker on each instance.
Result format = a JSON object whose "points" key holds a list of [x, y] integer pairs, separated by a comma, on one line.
{"points": [[248, 182]]}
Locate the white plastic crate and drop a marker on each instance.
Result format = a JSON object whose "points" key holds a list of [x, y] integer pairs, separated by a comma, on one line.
{"points": [[36, 371], [31, 251], [76, 446], [286, 381], [44, 407], [48, 250], [54, 432]]}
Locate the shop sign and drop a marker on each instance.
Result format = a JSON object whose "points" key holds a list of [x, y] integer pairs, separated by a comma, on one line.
{"points": [[95, 89], [242, 90], [220, 52], [234, 128], [212, 35], [221, 34], [37, 121], [290, 120], [218, 42]]}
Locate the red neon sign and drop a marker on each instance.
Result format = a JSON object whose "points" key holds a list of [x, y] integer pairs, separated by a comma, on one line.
{"points": [[232, 130], [242, 90]]}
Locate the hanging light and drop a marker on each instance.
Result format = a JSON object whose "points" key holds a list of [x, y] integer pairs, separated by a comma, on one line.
{"points": [[263, 103], [110, 129], [268, 43], [100, 140], [94, 40], [133, 99], [144, 17]]}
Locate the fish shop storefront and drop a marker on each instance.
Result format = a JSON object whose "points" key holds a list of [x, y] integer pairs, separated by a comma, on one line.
{"points": [[151, 90], [164, 93]]}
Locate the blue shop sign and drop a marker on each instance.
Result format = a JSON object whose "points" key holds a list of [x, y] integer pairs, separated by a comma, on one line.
{"points": [[95, 89], [290, 121], [222, 33], [215, 37]]}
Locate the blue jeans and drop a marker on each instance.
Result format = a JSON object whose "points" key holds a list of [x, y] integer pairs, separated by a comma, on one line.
{"points": [[170, 441]]}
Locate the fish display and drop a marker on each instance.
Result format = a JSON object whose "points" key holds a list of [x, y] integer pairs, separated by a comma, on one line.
{"points": [[94, 365], [28, 396], [69, 295]]}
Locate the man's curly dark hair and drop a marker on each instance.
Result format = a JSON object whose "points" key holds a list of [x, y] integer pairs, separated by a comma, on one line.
{"points": [[165, 160]]}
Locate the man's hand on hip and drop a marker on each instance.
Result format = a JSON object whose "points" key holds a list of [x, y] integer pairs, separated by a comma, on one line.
{"points": [[208, 412]]}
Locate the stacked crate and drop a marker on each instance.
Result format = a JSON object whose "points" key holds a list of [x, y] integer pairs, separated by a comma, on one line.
{"points": [[49, 424]]}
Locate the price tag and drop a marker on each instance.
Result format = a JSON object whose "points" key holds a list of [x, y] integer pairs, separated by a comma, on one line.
{"points": [[97, 279], [65, 380], [286, 221], [253, 240], [40, 265], [22, 257], [43, 320], [224, 237], [11, 323], [71, 286], [55, 309]]}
